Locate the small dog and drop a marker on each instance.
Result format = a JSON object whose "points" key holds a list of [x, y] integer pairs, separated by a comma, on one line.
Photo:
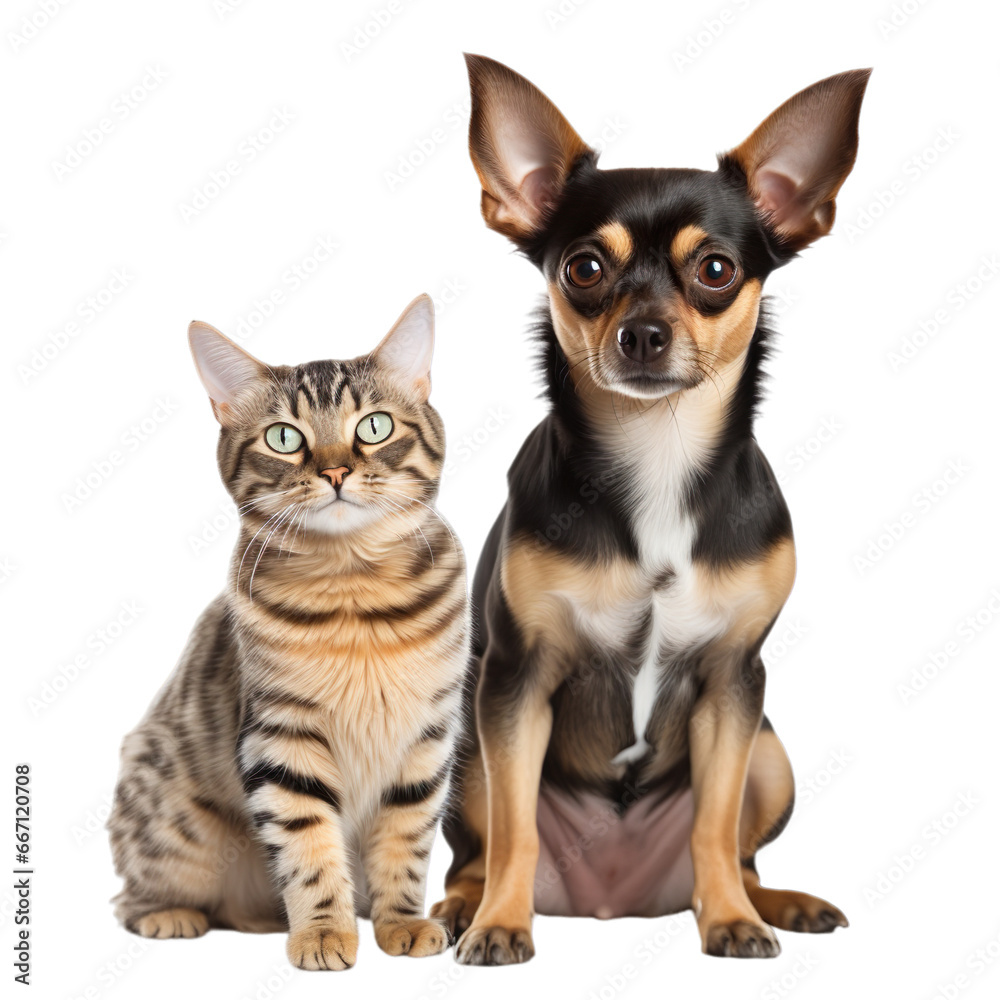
{"points": [[620, 762]]}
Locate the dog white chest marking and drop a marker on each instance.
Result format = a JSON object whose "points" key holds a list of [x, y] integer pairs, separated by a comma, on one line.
{"points": [[660, 451]]}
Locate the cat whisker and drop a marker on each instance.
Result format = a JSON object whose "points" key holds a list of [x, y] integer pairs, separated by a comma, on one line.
{"points": [[296, 508], [260, 498], [402, 509], [285, 513], [239, 572], [299, 521], [437, 515]]}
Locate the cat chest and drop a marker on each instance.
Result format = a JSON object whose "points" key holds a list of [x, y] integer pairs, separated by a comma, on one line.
{"points": [[378, 685], [371, 688]]}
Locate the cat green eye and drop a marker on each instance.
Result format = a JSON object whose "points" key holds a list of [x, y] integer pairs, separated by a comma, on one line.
{"points": [[283, 438], [375, 427]]}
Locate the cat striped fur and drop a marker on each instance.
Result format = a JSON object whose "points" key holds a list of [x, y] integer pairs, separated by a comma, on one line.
{"points": [[292, 771]]}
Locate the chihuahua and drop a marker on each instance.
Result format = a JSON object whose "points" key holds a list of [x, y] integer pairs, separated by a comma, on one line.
{"points": [[619, 762]]}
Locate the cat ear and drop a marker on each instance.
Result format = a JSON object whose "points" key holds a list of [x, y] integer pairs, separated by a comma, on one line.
{"points": [[406, 350], [797, 158], [521, 146], [226, 370]]}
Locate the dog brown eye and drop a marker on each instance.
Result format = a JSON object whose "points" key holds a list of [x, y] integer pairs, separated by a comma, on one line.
{"points": [[584, 271], [716, 272]]}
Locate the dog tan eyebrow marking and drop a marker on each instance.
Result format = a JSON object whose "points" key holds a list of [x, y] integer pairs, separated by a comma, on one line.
{"points": [[618, 240], [685, 242]]}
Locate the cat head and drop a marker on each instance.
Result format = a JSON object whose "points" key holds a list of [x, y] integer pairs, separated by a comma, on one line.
{"points": [[327, 446]]}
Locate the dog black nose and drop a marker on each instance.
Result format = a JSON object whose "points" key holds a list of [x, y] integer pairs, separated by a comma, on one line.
{"points": [[642, 340]]}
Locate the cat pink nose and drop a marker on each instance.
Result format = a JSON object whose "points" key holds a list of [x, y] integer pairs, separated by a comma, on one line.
{"points": [[336, 476]]}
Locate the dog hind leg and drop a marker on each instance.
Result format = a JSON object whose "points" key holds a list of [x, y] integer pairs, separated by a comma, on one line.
{"points": [[767, 806]]}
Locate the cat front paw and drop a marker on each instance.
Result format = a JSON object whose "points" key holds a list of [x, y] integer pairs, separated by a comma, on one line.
{"points": [[412, 937], [179, 922], [323, 948]]}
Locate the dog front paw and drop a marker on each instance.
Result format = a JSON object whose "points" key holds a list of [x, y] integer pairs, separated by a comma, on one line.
{"points": [[740, 939], [495, 946]]}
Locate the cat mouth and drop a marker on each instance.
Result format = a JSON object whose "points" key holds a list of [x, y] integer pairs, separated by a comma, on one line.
{"points": [[333, 503]]}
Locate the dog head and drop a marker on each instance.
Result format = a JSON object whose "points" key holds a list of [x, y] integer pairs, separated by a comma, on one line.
{"points": [[655, 275]]}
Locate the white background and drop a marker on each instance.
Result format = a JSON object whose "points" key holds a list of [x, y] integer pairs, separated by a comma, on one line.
{"points": [[876, 768]]}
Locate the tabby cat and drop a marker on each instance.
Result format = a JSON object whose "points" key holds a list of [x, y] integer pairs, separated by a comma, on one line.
{"points": [[291, 772]]}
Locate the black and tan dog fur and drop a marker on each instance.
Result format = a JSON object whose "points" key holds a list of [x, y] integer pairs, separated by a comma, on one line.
{"points": [[645, 550]]}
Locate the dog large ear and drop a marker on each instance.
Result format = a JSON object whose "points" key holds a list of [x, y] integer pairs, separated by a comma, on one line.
{"points": [[521, 146], [797, 158]]}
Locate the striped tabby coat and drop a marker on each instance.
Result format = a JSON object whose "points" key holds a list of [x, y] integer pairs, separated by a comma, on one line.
{"points": [[292, 771]]}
